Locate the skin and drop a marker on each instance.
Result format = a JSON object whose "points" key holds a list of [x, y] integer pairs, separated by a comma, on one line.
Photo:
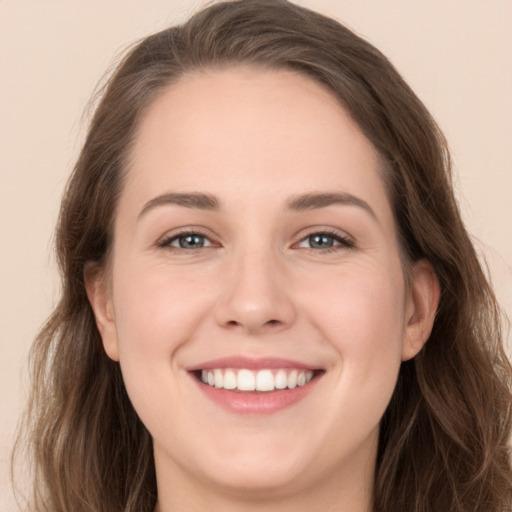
{"points": [[256, 139]]}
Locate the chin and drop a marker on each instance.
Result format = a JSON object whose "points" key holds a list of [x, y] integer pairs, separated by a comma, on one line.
{"points": [[269, 478]]}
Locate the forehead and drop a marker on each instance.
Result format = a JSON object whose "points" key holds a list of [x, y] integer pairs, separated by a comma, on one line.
{"points": [[250, 131]]}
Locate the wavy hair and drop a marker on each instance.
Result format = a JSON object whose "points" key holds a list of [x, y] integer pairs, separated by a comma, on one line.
{"points": [[444, 439]]}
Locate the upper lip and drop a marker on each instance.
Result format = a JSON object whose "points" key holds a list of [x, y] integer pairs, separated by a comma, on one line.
{"points": [[252, 363]]}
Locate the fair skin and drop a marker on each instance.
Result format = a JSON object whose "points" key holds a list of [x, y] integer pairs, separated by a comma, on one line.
{"points": [[310, 283]]}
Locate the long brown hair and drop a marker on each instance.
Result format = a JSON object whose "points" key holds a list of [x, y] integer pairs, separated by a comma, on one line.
{"points": [[444, 439]]}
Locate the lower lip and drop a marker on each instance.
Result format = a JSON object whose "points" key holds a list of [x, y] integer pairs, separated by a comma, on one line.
{"points": [[254, 402]]}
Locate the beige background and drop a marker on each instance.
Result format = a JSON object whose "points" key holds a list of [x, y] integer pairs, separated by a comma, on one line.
{"points": [[456, 54]]}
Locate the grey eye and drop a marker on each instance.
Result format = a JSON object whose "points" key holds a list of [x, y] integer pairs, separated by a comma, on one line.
{"points": [[188, 241], [191, 241], [321, 241]]}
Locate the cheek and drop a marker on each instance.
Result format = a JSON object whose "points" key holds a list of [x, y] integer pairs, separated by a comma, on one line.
{"points": [[363, 321], [156, 308], [156, 313], [360, 313]]}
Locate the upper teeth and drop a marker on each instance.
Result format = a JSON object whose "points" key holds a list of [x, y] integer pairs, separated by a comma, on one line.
{"points": [[261, 380]]}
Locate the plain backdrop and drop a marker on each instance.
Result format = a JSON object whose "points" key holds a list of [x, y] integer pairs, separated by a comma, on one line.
{"points": [[456, 55]]}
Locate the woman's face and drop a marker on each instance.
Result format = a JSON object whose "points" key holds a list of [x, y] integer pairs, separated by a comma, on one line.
{"points": [[255, 246]]}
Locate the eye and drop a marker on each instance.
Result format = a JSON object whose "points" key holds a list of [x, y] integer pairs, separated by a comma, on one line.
{"points": [[190, 241], [325, 241]]}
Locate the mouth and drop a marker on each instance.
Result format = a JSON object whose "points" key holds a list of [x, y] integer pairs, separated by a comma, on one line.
{"points": [[244, 385], [264, 380]]}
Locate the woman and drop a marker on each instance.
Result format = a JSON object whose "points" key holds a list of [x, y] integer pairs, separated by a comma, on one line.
{"points": [[269, 301]]}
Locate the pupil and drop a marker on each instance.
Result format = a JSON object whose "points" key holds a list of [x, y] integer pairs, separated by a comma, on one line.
{"points": [[321, 241], [191, 242]]}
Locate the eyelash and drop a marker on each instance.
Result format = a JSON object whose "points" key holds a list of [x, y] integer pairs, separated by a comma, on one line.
{"points": [[166, 242], [342, 241]]}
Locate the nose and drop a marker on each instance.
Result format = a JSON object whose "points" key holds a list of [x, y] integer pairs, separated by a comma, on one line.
{"points": [[255, 298]]}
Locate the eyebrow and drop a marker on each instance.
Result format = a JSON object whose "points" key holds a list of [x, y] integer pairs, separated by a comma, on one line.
{"points": [[313, 201], [195, 200], [299, 203]]}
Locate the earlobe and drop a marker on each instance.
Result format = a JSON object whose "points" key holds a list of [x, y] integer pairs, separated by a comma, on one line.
{"points": [[99, 297], [422, 307]]}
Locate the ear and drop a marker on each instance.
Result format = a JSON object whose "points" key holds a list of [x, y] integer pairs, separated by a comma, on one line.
{"points": [[98, 293], [421, 308]]}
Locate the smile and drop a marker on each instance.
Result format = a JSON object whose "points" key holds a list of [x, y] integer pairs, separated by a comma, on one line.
{"points": [[262, 380], [244, 385]]}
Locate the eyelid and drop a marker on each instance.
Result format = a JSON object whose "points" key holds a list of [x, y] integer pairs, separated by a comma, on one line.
{"points": [[345, 240], [165, 240]]}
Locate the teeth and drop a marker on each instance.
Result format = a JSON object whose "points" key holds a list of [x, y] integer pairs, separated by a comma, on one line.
{"points": [[292, 379], [281, 380], [218, 379], [264, 381], [249, 380], [246, 381], [229, 379]]}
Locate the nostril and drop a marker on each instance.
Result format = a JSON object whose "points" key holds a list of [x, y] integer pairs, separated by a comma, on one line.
{"points": [[270, 323]]}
